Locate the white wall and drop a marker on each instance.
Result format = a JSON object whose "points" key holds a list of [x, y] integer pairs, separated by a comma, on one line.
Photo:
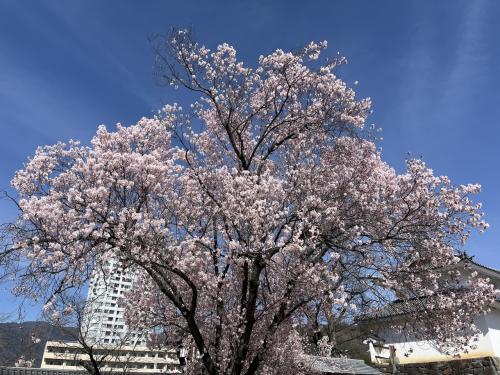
{"points": [[493, 321], [425, 351]]}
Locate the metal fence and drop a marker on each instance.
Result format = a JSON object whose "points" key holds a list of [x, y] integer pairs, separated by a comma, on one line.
{"points": [[46, 371], [36, 371]]}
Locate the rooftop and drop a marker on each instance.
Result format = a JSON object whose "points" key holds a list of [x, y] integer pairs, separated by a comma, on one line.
{"points": [[402, 307], [330, 365]]}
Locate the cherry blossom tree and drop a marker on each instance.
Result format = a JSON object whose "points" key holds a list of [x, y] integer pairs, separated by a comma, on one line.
{"points": [[23, 362], [27, 359], [265, 201]]}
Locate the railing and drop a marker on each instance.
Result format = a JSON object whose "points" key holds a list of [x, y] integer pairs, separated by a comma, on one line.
{"points": [[46, 371], [36, 371]]}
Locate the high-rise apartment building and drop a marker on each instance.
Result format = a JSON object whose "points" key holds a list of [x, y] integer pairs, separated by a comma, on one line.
{"points": [[114, 345], [104, 315]]}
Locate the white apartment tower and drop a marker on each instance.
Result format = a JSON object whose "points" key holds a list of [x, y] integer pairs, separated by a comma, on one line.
{"points": [[119, 348], [104, 317]]}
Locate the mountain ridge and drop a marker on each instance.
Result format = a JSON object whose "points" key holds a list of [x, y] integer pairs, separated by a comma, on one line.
{"points": [[16, 340]]}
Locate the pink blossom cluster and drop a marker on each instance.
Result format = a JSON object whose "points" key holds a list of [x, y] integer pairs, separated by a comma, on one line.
{"points": [[23, 362]]}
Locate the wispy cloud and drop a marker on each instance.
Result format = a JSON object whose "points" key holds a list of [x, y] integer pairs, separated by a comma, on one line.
{"points": [[469, 59], [92, 35], [444, 61], [83, 41], [33, 104]]}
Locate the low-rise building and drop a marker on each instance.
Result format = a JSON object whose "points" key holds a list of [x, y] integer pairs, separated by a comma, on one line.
{"points": [[388, 345], [72, 356]]}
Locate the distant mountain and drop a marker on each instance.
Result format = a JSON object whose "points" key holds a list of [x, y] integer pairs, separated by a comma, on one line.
{"points": [[16, 340]]}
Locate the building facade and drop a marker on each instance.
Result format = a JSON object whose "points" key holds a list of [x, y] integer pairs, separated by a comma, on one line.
{"points": [[123, 359], [388, 345], [104, 315], [108, 341]]}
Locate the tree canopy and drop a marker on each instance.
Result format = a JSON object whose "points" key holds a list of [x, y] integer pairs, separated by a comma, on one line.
{"points": [[264, 206]]}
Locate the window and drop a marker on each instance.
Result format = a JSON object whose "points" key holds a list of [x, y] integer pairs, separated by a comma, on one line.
{"points": [[54, 361]]}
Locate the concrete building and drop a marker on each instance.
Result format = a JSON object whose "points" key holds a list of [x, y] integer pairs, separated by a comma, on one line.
{"points": [[104, 320], [124, 359], [112, 344]]}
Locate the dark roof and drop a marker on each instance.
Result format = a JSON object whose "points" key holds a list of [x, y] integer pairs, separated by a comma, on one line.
{"points": [[403, 307], [329, 365], [470, 260], [395, 308]]}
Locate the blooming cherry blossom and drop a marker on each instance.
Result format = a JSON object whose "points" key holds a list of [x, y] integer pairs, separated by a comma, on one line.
{"points": [[23, 362], [266, 198]]}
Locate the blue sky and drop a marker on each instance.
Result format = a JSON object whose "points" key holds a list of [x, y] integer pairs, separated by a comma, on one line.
{"points": [[430, 67]]}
